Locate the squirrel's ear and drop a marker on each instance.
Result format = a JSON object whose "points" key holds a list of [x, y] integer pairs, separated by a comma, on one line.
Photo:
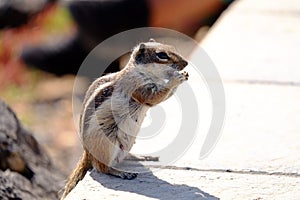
{"points": [[142, 46], [140, 53], [152, 40]]}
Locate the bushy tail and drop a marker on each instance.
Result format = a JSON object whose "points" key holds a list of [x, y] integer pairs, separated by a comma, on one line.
{"points": [[78, 174]]}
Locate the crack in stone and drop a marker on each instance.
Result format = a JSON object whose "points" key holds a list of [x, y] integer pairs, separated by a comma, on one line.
{"points": [[250, 172]]}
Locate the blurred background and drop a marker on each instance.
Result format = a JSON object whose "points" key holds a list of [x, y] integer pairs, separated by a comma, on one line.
{"points": [[41, 100], [43, 42]]}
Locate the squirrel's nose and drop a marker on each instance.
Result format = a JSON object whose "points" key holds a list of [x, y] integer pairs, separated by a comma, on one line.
{"points": [[182, 64]]}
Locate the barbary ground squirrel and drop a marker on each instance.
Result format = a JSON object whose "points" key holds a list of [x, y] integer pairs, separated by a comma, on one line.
{"points": [[115, 106]]}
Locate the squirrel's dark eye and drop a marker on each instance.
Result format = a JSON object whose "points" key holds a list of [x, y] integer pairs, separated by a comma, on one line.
{"points": [[162, 55]]}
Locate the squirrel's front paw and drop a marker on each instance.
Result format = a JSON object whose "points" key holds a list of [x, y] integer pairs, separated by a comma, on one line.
{"points": [[185, 74], [177, 77], [180, 77]]}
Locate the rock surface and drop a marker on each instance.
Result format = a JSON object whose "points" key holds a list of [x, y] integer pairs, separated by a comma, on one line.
{"points": [[26, 171]]}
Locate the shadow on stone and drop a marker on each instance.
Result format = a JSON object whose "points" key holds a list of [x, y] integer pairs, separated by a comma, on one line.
{"points": [[147, 184]]}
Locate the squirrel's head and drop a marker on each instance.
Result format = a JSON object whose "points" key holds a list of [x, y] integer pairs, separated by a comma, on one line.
{"points": [[153, 52]]}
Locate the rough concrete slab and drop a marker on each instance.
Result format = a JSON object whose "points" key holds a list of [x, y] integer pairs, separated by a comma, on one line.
{"points": [[257, 40], [261, 131], [188, 184]]}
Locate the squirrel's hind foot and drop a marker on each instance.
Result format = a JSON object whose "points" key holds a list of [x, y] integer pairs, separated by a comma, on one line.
{"points": [[122, 174]]}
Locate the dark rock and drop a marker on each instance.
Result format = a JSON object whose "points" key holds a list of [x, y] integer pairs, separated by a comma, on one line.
{"points": [[26, 171]]}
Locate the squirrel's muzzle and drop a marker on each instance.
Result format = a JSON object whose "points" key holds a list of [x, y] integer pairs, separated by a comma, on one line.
{"points": [[181, 65]]}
